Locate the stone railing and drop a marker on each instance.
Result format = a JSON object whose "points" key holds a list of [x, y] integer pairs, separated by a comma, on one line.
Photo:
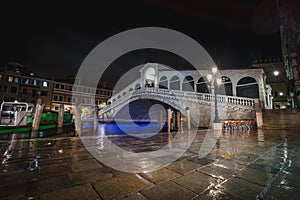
{"points": [[180, 95]]}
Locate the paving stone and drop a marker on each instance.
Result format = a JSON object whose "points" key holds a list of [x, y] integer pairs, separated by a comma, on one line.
{"points": [[54, 170], [168, 190], [197, 182], [121, 185], [183, 166], [160, 175], [282, 193], [46, 185], [85, 165], [136, 196], [256, 176], [89, 176], [77, 192], [217, 171], [241, 189]]}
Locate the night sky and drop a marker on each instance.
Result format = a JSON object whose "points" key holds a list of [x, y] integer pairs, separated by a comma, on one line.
{"points": [[53, 39]]}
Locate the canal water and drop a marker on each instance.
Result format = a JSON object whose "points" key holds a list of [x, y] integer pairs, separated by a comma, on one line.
{"points": [[240, 165]]}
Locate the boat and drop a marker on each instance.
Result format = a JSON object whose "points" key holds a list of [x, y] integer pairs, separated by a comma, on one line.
{"points": [[18, 117]]}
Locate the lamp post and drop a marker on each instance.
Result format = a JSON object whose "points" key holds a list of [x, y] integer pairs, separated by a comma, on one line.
{"points": [[215, 82]]}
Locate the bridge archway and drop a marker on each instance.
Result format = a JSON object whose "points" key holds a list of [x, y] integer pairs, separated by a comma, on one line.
{"points": [[175, 83], [188, 84], [163, 83], [227, 83], [247, 87], [137, 86], [202, 86]]}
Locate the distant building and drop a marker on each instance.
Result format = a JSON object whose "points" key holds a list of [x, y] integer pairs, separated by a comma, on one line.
{"points": [[16, 87], [290, 42], [276, 81]]}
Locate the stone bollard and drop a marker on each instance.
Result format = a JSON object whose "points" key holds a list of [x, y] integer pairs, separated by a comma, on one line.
{"points": [[78, 119], [178, 120]]}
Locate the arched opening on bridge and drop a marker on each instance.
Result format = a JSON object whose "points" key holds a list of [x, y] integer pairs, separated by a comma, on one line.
{"points": [[175, 83], [227, 89], [202, 86], [163, 83], [137, 86], [149, 77], [124, 93], [119, 96], [247, 87], [188, 84], [130, 89]]}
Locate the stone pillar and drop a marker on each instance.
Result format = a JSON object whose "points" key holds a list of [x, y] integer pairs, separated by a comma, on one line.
{"points": [[78, 119], [188, 119], [258, 113], [174, 120], [178, 120], [38, 114], [169, 115], [96, 118], [60, 120], [160, 120]]}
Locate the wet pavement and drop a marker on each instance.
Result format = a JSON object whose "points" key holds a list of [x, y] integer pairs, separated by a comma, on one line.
{"points": [[242, 165]]}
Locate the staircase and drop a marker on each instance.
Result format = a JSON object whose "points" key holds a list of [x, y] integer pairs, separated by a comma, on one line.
{"points": [[281, 119]]}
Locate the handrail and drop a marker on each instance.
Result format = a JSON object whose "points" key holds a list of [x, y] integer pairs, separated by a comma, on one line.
{"points": [[243, 101]]}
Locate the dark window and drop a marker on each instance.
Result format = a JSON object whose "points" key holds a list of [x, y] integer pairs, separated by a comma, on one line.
{"points": [[60, 98], [55, 97], [57, 85], [13, 89], [25, 90], [34, 93], [44, 93], [69, 99], [62, 87]]}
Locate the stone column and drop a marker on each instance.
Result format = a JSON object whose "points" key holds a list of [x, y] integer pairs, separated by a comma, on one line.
{"points": [[188, 118], [174, 120], [258, 114], [61, 112], [160, 120], [38, 114]]}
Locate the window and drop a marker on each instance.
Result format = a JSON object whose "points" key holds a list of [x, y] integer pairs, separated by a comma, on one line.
{"points": [[55, 97], [82, 101], [35, 82], [69, 99], [45, 84], [70, 87], [25, 90], [10, 79], [13, 89], [34, 93], [84, 90], [74, 88], [60, 98], [44, 93], [96, 102], [57, 86], [62, 87], [74, 99], [25, 81], [16, 80]]}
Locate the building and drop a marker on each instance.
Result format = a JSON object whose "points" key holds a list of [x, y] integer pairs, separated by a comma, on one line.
{"points": [[290, 43], [16, 87], [88, 97], [276, 82]]}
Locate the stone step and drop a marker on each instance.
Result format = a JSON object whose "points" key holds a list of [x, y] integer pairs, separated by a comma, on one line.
{"points": [[281, 119]]}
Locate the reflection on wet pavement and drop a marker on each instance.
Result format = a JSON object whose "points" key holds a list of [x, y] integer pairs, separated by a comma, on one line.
{"points": [[241, 165]]}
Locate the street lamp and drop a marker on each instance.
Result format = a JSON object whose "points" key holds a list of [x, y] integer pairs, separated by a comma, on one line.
{"points": [[215, 82]]}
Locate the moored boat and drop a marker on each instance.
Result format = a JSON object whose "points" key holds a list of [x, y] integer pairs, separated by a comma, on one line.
{"points": [[18, 117]]}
